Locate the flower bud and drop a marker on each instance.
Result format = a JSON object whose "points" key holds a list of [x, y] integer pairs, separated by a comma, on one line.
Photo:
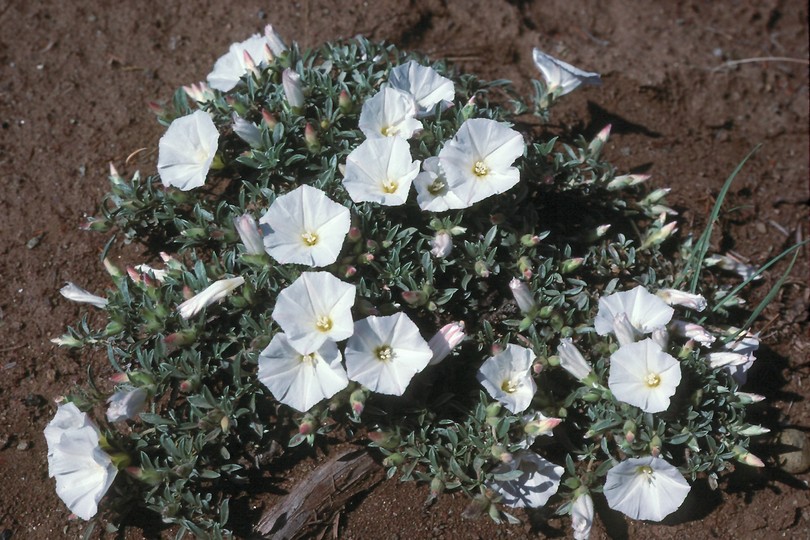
{"points": [[441, 244], [744, 456], [311, 138], [67, 340], [436, 489], [493, 409], [291, 81], [357, 401], [529, 240], [181, 338], [481, 269], [629, 431], [655, 446], [540, 425], [674, 297], [415, 298], [249, 234], [747, 398], [569, 265], [126, 404], [523, 296], [596, 145], [627, 180], [308, 425], [394, 460], [500, 453], [213, 293], [345, 103], [355, 234], [655, 196], [445, 340], [269, 119], [659, 236], [385, 439]]}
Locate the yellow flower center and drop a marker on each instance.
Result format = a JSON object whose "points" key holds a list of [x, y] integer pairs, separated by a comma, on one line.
{"points": [[647, 471], [390, 186], [652, 380], [307, 358], [384, 353], [310, 238], [509, 386], [480, 169], [387, 131], [324, 323], [436, 187]]}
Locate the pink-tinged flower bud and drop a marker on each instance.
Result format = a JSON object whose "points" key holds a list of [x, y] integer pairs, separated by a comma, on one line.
{"points": [[441, 245], [250, 64], [744, 456], [366, 308], [732, 263], [345, 102], [181, 338], [309, 424], [496, 349], [67, 340], [481, 269], [655, 196], [291, 81], [119, 378], [657, 237], [95, 224], [73, 292], [446, 339], [540, 425], [674, 297], [748, 398], [436, 489], [627, 180], [525, 267], [199, 92], [365, 258], [655, 446], [523, 296], [112, 269], [497, 218], [602, 230], [691, 331], [348, 270], [355, 234], [629, 431], [415, 298], [274, 40], [372, 246], [311, 138], [569, 265], [385, 439], [156, 108], [357, 401], [599, 141], [500, 453], [529, 240], [134, 275], [149, 477], [249, 233], [269, 119]]}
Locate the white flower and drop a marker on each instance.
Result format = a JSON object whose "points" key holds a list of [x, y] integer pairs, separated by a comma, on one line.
{"points": [[186, 151], [249, 233], [291, 82], [441, 245], [674, 297], [432, 193], [247, 131], [523, 296], [424, 83], [83, 471], [477, 162], [213, 293], [73, 292], [738, 355], [306, 227], [384, 353], [301, 380], [446, 339], [644, 311], [572, 361], [507, 377], [381, 171], [645, 488], [562, 78], [315, 308], [582, 516], [126, 404], [643, 375], [229, 68], [692, 331], [390, 113], [538, 481]]}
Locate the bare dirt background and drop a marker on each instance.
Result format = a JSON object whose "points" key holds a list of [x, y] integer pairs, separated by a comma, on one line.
{"points": [[74, 81]]}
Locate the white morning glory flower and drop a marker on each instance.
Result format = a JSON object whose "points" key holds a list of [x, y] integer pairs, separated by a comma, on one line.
{"points": [[643, 375], [126, 404], [432, 193], [644, 311], [425, 84], [213, 293], [390, 113], [73, 292], [507, 377], [229, 68], [301, 380], [380, 171], [305, 227], [316, 307], [538, 481], [83, 471], [572, 361], [562, 78], [477, 162], [384, 353], [645, 488], [186, 151], [582, 516]]}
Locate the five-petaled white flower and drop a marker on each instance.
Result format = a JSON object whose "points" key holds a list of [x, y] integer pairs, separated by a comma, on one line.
{"points": [[477, 162], [301, 380], [229, 68], [562, 78], [645, 488], [425, 84], [213, 293], [432, 193], [507, 377], [384, 353], [643, 375], [381, 171], [305, 227], [126, 404], [539, 479], [642, 313], [186, 151], [73, 292], [315, 308], [83, 471], [389, 113]]}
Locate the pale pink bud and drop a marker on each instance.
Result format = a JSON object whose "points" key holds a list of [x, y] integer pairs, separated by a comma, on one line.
{"points": [[250, 65], [674, 297], [523, 296], [692, 331], [445, 340], [274, 40], [249, 233], [291, 81]]}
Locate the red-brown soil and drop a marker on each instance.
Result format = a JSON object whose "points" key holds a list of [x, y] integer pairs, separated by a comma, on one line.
{"points": [[76, 77]]}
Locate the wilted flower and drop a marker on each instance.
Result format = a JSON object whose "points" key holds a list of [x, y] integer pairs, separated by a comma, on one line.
{"points": [[390, 113], [427, 87], [381, 171], [247, 131], [477, 162], [582, 516], [644, 311], [213, 293], [250, 234], [562, 78], [126, 404], [643, 375], [523, 296], [738, 355], [538, 481], [301, 380], [306, 227], [73, 292], [733, 263], [186, 151], [432, 193], [645, 488], [446, 339], [441, 245], [315, 308], [291, 82], [674, 297], [229, 68], [507, 377], [572, 361], [83, 471], [384, 353]]}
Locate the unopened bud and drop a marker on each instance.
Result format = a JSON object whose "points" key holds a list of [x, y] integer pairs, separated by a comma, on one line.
{"points": [[529, 240], [357, 401], [291, 82], [569, 265], [655, 446], [311, 138], [481, 269], [385, 439], [394, 460], [269, 119], [500, 453], [308, 425], [345, 103], [595, 148]]}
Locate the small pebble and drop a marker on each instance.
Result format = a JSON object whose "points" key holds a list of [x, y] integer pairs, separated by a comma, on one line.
{"points": [[23, 445], [795, 458]]}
